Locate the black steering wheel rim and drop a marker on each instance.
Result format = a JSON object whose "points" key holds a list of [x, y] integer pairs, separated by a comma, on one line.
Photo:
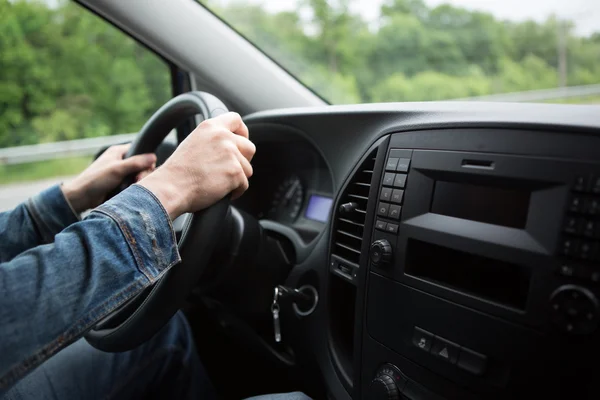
{"points": [[136, 321]]}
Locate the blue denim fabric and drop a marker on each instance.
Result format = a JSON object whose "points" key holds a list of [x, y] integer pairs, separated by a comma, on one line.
{"points": [[52, 293], [165, 367], [34, 223], [60, 275]]}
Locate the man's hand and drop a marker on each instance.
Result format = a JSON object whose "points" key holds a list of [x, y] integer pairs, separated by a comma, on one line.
{"points": [[90, 188], [211, 162]]}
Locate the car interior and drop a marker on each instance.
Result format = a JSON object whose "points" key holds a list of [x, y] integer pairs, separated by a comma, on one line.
{"points": [[429, 250]]}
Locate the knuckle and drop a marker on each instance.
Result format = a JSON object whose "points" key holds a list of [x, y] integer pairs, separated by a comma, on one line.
{"points": [[251, 148], [207, 123]]}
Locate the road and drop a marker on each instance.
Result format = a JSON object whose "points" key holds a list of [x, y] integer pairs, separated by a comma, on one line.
{"points": [[13, 194]]}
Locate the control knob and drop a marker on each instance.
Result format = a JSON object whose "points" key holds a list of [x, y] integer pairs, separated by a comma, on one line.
{"points": [[575, 310], [381, 252], [387, 384]]}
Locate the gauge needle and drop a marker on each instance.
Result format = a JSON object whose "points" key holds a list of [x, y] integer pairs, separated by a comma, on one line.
{"points": [[290, 192]]}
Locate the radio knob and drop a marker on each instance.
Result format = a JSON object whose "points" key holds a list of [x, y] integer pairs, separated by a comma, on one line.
{"points": [[384, 387], [381, 252], [574, 309]]}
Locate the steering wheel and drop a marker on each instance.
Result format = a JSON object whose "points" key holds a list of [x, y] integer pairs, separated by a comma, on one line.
{"points": [[140, 318]]}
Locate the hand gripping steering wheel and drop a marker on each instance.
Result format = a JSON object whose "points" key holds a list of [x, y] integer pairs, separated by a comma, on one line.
{"points": [[141, 317]]}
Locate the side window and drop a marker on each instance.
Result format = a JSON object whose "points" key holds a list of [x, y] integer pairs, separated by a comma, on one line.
{"points": [[66, 74]]}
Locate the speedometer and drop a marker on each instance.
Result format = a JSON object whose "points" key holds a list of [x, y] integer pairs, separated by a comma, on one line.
{"points": [[287, 200]]}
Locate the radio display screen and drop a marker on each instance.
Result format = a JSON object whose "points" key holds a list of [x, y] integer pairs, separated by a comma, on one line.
{"points": [[492, 205]]}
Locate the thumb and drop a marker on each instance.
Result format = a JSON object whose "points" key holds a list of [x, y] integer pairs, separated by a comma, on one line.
{"points": [[135, 164]]}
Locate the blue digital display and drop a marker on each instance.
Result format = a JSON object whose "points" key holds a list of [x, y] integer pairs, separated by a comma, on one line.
{"points": [[318, 208]]}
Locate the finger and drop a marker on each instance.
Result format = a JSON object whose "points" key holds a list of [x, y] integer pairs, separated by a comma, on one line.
{"points": [[245, 146], [234, 123], [120, 150], [136, 164], [144, 173], [246, 166], [240, 189]]}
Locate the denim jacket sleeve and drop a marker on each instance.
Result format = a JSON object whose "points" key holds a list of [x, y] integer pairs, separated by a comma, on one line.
{"points": [[35, 222], [52, 294]]}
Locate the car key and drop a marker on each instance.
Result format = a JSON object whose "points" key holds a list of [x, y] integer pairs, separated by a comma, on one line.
{"points": [[275, 310]]}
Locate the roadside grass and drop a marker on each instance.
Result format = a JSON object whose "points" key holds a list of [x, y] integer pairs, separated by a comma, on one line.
{"points": [[577, 100], [42, 170]]}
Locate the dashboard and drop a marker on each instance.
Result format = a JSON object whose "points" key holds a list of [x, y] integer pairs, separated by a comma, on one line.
{"points": [[291, 184], [460, 256]]}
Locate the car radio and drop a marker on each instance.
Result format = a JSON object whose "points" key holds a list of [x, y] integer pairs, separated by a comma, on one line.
{"points": [[483, 264]]}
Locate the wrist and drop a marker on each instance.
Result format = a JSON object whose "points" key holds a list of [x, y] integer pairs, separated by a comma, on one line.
{"points": [[74, 196], [167, 192]]}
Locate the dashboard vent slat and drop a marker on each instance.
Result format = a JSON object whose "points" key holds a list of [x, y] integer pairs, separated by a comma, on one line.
{"points": [[348, 233]]}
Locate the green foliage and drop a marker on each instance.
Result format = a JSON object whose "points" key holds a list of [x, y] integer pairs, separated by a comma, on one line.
{"points": [[66, 74], [414, 52]]}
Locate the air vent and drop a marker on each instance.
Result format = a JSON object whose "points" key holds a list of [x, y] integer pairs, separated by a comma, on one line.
{"points": [[351, 212]]}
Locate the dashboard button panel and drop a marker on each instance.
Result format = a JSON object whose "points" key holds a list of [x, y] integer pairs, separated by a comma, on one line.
{"points": [[391, 194]]}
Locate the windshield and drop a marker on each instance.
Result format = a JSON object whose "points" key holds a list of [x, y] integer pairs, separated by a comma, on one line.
{"points": [[363, 51]]}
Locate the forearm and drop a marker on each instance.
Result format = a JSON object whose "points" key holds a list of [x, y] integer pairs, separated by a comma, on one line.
{"points": [[34, 222], [53, 293]]}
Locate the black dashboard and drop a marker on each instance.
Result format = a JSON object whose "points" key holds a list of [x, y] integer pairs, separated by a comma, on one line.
{"points": [[291, 184], [461, 255]]}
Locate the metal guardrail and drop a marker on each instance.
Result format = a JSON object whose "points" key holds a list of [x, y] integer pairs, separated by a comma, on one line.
{"points": [[49, 151], [539, 95], [83, 147]]}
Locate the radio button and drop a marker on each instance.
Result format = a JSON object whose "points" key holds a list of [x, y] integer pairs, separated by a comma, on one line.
{"points": [[400, 180], [582, 183], [380, 225], [569, 246], [382, 209], [388, 179], [472, 361], [397, 195], [592, 207], [403, 165], [589, 228], [445, 349], [386, 194], [392, 228], [422, 339], [566, 270], [394, 212], [586, 251], [575, 204], [573, 225], [391, 164]]}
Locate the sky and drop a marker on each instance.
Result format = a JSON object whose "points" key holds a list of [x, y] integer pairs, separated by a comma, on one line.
{"points": [[585, 13]]}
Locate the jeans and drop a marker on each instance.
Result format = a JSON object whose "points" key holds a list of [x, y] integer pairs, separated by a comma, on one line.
{"points": [[165, 367]]}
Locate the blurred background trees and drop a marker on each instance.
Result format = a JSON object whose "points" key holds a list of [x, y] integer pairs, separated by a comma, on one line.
{"points": [[66, 74]]}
